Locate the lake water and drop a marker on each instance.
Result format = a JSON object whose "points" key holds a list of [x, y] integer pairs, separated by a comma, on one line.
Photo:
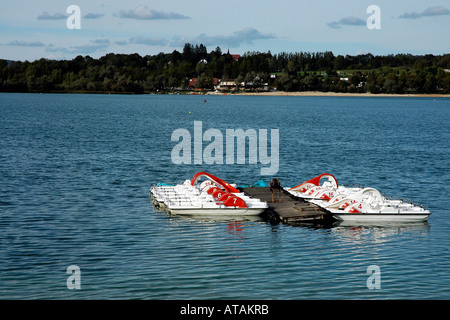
{"points": [[76, 170]]}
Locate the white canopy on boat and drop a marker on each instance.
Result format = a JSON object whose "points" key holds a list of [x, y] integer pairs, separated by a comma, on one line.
{"points": [[370, 195]]}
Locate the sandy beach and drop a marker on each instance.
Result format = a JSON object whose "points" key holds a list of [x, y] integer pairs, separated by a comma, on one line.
{"points": [[338, 94]]}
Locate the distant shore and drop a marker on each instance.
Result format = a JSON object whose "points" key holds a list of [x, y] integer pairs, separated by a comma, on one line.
{"points": [[265, 93], [337, 94]]}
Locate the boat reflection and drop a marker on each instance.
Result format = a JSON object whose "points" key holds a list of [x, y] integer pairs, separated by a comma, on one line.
{"points": [[379, 232], [383, 224], [222, 218]]}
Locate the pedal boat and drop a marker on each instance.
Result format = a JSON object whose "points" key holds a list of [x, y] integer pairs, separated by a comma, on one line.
{"points": [[212, 196]]}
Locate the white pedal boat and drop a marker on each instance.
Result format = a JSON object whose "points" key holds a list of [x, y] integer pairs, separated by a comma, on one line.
{"points": [[369, 205], [357, 204], [213, 196]]}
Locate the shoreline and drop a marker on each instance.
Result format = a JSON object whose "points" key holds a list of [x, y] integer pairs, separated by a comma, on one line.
{"points": [[264, 93], [340, 94]]}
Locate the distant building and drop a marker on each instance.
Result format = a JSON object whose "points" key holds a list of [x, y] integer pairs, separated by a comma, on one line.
{"points": [[226, 84], [230, 84], [235, 57], [192, 84]]}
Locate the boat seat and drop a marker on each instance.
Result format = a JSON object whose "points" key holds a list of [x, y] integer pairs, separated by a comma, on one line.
{"points": [[235, 202]]}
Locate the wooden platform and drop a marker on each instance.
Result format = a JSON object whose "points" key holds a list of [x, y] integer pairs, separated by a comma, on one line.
{"points": [[291, 209]]}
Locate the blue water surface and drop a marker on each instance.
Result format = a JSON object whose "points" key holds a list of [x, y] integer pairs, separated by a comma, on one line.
{"points": [[76, 170]]}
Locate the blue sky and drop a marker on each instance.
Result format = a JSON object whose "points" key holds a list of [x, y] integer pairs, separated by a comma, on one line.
{"points": [[30, 30]]}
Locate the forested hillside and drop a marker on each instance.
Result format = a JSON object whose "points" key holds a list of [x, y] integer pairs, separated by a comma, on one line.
{"points": [[253, 71]]}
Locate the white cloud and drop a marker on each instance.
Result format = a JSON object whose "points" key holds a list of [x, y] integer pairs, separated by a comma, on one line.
{"points": [[93, 15], [144, 13], [22, 43], [245, 36], [54, 16], [101, 41], [429, 12], [57, 49], [349, 21], [148, 41], [89, 48], [121, 42]]}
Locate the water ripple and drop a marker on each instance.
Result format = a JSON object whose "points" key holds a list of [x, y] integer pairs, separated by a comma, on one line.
{"points": [[76, 170]]}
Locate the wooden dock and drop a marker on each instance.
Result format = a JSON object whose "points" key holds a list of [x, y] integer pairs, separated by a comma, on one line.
{"points": [[291, 209]]}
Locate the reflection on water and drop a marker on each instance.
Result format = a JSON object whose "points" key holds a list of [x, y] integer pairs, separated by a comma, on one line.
{"points": [[387, 224], [222, 218], [379, 232]]}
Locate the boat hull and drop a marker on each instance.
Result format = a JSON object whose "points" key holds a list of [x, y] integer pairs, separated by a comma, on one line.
{"points": [[217, 211], [381, 217]]}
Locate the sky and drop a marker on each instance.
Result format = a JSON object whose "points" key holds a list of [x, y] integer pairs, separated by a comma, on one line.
{"points": [[30, 30]]}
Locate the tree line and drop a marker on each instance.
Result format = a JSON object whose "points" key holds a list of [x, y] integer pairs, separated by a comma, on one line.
{"points": [[165, 72]]}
